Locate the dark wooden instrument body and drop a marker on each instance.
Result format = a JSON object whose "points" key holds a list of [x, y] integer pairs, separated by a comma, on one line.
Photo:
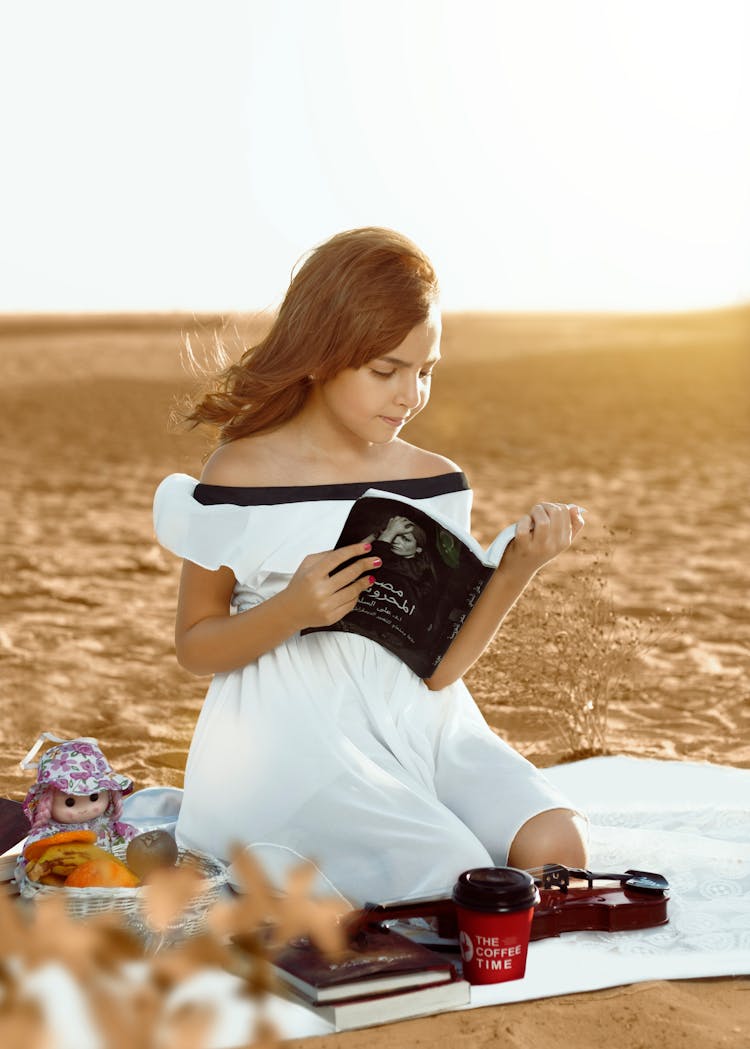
{"points": [[608, 910], [611, 909]]}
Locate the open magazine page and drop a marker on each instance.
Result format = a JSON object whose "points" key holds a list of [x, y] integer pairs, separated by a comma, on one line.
{"points": [[425, 588], [490, 557]]}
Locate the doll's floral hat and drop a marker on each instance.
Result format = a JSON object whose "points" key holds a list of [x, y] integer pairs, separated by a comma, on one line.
{"points": [[76, 766]]}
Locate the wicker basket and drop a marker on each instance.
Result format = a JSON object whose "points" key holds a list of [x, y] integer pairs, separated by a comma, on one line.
{"points": [[83, 903]]}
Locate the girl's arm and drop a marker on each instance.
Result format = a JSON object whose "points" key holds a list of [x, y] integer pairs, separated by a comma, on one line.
{"points": [[208, 640], [540, 536]]}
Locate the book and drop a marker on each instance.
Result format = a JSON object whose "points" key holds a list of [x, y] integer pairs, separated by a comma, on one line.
{"points": [[369, 1012], [14, 828], [378, 962], [8, 884], [13, 824], [431, 577]]}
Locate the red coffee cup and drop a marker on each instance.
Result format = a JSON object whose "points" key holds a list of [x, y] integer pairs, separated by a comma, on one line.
{"points": [[494, 908]]}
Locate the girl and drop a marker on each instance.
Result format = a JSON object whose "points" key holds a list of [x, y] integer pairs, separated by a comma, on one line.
{"points": [[327, 745]]}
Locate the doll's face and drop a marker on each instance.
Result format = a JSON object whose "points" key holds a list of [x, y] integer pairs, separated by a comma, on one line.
{"points": [[78, 808]]}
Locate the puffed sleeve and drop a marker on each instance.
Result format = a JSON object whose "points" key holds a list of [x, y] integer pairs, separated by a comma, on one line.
{"points": [[210, 536]]}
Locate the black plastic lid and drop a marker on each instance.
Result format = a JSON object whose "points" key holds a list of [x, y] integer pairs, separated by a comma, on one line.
{"points": [[495, 890]]}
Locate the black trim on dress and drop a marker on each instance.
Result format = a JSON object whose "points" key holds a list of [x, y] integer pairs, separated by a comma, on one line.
{"points": [[411, 487]]}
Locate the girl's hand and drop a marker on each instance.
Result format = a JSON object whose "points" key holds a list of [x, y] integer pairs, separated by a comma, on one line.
{"points": [[543, 533], [320, 599]]}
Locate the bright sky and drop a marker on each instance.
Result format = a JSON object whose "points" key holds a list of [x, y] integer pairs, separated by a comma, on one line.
{"points": [[547, 154]]}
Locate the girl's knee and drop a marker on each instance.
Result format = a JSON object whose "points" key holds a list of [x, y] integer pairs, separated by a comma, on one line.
{"points": [[554, 836]]}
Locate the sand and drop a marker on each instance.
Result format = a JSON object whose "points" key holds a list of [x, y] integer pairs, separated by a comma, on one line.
{"points": [[635, 642]]}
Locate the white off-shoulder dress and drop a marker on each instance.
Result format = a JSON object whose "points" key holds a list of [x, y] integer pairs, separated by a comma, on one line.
{"points": [[328, 746]]}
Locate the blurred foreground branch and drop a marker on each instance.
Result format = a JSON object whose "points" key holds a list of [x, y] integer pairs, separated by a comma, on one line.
{"points": [[67, 982]]}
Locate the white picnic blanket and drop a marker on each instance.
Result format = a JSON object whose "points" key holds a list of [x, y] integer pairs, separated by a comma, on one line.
{"points": [[688, 821]]}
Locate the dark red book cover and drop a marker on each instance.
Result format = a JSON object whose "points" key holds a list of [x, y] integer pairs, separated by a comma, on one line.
{"points": [[13, 824], [377, 961]]}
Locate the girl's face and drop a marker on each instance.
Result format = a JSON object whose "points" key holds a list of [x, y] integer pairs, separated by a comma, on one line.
{"points": [[78, 808], [375, 401]]}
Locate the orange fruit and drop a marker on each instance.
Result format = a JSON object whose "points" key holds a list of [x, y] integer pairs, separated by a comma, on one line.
{"points": [[63, 837], [106, 872]]}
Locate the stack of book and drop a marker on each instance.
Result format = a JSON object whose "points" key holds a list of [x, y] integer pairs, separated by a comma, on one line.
{"points": [[13, 829], [383, 976]]}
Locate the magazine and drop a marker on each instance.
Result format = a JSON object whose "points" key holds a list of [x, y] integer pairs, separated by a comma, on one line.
{"points": [[431, 577]]}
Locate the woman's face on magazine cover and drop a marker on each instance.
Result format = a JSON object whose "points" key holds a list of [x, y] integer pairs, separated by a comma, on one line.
{"points": [[405, 544], [375, 401]]}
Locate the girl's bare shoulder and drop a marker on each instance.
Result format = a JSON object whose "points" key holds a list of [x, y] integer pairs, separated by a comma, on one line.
{"points": [[266, 460], [422, 463], [238, 464]]}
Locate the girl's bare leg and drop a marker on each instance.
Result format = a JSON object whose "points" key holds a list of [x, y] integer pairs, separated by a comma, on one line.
{"points": [[555, 836]]}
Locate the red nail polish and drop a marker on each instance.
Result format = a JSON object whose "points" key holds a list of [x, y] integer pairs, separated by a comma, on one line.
{"points": [[376, 562], [368, 546], [371, 579]]}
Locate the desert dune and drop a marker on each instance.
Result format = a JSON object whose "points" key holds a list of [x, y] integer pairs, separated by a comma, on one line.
{"points": [[634, 642]]}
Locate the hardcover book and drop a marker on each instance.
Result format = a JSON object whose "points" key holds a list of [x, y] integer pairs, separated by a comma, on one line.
{"points": [[13, 824], [13, 829], [431, 577], [378, 961], [368, 1012], [383, 976]]}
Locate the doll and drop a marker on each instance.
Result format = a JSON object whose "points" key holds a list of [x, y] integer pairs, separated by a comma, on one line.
{"points": [[76, 789]]}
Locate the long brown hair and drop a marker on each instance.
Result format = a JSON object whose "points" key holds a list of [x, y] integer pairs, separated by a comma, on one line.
{"points": [[356, 296]]}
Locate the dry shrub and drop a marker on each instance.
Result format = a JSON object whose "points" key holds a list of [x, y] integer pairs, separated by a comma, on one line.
{"points": [[566, 656], [587, 659]]}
